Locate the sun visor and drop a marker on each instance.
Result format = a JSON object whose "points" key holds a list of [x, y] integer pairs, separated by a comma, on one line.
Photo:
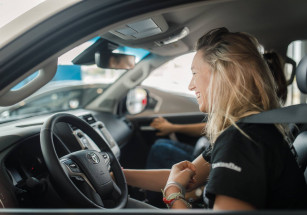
{"points": [[47, 70], [142, 29]]}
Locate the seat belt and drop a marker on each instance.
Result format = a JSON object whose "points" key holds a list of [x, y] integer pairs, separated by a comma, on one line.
{"points": [[289, 114]]}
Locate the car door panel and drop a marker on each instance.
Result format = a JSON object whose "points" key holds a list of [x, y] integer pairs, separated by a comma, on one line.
{"points": [[174, 107]]}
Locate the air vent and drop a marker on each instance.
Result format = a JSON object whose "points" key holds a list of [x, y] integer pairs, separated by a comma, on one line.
{"points": [[89, 118]]}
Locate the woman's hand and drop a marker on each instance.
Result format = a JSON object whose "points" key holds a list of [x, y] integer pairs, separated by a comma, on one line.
{"points": [[183, 173], [164, 126]]}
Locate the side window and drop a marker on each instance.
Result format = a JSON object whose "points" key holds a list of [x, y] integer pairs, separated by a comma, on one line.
{"points": [[173, 76], [296, 50]]}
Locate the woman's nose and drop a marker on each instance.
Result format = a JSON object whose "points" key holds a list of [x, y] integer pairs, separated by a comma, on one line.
{"points": [[191, 85]]}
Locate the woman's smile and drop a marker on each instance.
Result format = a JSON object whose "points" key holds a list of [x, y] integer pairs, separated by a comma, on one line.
{"points": [[197, 94]]}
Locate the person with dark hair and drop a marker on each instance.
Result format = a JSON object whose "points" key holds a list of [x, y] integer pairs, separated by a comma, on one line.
{"points": [[166, 152], [251, 165]]}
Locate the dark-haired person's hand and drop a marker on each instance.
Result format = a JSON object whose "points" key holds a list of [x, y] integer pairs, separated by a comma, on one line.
{"points": [[183, 173], [164, 126]]}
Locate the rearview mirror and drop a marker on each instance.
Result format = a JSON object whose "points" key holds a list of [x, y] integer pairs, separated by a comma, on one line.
{"points": [[109, 60]]}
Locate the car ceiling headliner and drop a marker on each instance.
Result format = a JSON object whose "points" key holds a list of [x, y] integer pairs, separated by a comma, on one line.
{"points": [[275, 23]]}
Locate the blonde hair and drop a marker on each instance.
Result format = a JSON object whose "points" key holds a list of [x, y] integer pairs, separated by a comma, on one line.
{"points": [[241, 83]]}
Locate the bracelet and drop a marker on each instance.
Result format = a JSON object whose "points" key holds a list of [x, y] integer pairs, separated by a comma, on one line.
{"points": [[185, 202], [170, 200], [176, 184], [172, 197]]}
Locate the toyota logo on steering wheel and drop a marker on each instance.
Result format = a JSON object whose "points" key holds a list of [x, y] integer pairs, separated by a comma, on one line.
{"points": [[93, 157]]}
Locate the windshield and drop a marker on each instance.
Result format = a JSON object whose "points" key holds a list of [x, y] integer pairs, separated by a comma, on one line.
{"points": [[77, 82]]}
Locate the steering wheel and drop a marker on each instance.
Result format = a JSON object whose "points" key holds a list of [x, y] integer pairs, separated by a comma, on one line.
{"points": [[83, 176]]}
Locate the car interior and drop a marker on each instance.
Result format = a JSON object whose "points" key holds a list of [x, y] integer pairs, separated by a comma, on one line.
{"points": [[73, 85]]}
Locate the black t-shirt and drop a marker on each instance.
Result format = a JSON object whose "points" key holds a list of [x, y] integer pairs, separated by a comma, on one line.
{"points": [[261, 171]]}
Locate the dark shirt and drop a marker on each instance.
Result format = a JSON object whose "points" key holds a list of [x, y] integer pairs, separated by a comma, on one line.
{"points": [[260, 170]]}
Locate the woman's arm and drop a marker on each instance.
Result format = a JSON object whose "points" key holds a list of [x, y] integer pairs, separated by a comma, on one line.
{"points": [[228, 203], [153, 180], [202, 169]]}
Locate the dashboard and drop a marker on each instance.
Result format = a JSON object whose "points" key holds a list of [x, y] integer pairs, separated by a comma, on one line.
{"points": [[26, 181]]}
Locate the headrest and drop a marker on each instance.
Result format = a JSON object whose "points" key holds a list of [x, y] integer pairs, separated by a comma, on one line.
{"points": [[301, 149], [301, 75]]}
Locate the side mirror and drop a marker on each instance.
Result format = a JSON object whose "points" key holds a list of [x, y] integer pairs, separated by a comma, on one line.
{"points": [[137, 100], [111, 60]]}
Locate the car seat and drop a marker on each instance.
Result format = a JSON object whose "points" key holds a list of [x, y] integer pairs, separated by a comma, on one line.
{"points": [[300, 145], [300, 142], [201, 145]]}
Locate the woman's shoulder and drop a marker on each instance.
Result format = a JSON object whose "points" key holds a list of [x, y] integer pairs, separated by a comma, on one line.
{"points": [[249, 133], [251, 129]]}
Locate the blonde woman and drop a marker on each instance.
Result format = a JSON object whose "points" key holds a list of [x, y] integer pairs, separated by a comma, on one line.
{"points": [[251, 166]]}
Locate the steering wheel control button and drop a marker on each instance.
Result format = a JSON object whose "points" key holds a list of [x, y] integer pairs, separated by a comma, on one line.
{"points": [[79, 134], [72, 166], [85, 142], [78, 178], [93, 158], [75, 170]]}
